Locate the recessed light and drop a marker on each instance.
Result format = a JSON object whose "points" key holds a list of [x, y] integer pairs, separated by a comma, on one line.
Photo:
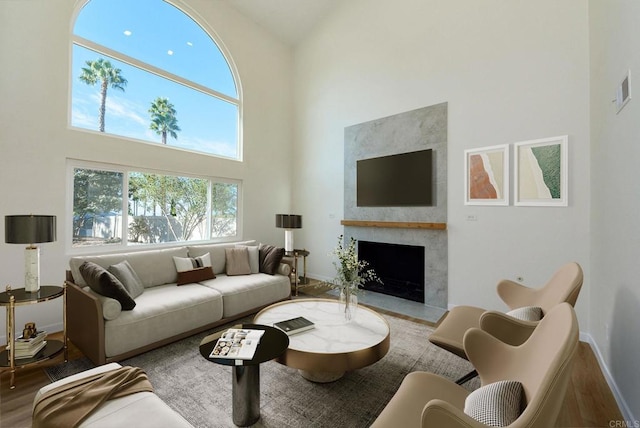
{"points": [[169, 52], [127, 33], [189, 44]]}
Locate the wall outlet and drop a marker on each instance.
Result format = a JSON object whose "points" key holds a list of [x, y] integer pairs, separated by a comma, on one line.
{"points": [[472, 217]]}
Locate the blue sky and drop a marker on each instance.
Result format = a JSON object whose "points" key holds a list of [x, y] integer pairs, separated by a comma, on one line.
{"points": [[161, 35]]}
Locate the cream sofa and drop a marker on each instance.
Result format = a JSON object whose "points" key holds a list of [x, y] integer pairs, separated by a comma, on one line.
{"points": [[144, 409], [164, 312]]}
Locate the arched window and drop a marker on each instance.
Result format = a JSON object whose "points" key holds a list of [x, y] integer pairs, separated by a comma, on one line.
{"points": [[146, 70]]}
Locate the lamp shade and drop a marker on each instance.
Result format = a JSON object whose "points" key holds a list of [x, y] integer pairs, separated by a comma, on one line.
{"points": [[289, 221], [29, 229]]}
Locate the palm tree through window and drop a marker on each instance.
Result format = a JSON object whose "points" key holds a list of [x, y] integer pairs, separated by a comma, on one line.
{"points": [[101, 72], [153, 74]]}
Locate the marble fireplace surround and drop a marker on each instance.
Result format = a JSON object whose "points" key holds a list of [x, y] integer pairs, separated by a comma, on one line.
{"points": [[424, 128]]}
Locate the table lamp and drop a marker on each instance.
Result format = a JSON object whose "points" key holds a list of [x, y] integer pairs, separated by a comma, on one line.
{"points": [[30, 229], [288, 222]]}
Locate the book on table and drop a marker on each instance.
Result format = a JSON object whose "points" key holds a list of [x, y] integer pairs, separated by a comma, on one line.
{"points": [[237, 344], [30, 342], [30, 352], [295, 325], [28, 347]]}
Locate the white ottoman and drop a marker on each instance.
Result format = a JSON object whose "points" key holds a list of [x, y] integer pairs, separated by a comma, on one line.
{"points": [[143, 409]]}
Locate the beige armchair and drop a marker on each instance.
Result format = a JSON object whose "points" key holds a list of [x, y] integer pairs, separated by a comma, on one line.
{"points": [[564, 286], [542, 365]]}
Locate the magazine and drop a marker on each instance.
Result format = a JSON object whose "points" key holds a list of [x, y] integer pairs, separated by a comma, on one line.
{"points": [[237, 344], [295, 325]]}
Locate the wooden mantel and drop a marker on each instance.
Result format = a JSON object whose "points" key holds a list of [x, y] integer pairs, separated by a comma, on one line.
{"points": [[394, 224]]}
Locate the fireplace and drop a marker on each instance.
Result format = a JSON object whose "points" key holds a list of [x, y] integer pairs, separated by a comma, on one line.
{"points": [[399, 267], [420, 129]]}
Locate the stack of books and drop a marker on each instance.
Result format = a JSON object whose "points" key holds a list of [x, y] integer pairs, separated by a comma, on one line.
{"points": [[29, 347]]}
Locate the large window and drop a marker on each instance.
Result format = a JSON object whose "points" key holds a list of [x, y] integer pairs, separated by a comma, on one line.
{"points": [[124, 207], [144, 69]]}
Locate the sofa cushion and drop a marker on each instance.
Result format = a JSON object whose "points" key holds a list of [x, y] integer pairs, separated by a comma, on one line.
{"points": [[254, 257], [128, 277], [217, 253], [105, 284], [244, 293], [270, 258], [153, 267], [163, 311], [237, 261], [497, 404]]}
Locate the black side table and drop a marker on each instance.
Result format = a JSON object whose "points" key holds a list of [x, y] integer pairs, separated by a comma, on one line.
{"points": [[246, 373]]}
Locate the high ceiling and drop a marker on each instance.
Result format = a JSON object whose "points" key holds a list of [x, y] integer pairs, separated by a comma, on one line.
{"points": [[288, 20]]}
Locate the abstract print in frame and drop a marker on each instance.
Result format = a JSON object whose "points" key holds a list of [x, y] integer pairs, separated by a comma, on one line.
{"points": [[541, 172], [487, 175]]}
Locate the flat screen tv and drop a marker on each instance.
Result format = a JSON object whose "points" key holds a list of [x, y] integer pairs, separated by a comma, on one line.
{"points": [[402, 180]]}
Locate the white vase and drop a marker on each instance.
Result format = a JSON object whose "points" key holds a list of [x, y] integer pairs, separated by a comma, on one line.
{"points": [[348, 305]]}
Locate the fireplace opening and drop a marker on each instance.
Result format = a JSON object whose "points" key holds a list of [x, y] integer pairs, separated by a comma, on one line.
{"points": [[399, 267]]}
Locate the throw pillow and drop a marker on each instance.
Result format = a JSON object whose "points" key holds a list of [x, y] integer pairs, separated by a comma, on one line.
{"points": [[128, 277], [237, 261], [104, 283], [193, 269], [254, 257], [527, 313], [184, 264], [497, 404], [270, 258], [195, 275]]}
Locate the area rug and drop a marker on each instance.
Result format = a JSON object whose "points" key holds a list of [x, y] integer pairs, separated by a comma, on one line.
{"points": [[201, 391]]}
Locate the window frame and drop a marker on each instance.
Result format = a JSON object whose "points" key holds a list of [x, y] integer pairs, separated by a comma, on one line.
{"points": [[113, 54], [124, 245]]}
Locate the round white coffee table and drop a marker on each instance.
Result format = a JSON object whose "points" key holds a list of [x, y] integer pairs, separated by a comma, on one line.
{"points": [[333, 346]]}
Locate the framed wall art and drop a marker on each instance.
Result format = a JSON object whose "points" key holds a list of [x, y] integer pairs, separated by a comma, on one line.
{"points": [[487, 175], [541, 172]]}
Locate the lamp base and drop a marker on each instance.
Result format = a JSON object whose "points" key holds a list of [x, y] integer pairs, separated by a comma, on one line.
{"points": [[32, 269], [288, 240]]}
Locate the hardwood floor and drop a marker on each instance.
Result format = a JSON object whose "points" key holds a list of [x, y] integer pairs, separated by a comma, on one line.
{"points": [[588, 403]]}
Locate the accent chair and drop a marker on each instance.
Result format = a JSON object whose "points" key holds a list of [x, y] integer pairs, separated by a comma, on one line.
{"points": [[539, 369], [564, 286]]}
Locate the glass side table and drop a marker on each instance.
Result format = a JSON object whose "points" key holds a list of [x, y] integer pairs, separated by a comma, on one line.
{"points": [[298, 279], [10, 299]]}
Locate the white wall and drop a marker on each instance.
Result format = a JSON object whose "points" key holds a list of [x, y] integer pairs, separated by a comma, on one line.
{"points": [[615, 47], [35, 139], [510, 71]]}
